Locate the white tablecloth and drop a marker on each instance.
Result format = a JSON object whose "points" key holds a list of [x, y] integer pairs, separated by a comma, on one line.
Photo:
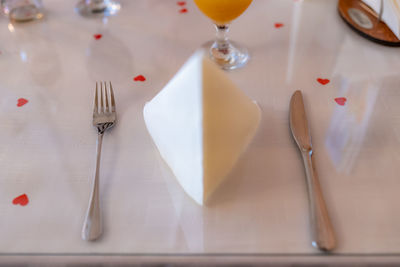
{"points": [[47, 146]]}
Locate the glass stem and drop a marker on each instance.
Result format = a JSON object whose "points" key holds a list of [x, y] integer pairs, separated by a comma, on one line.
{"points": [[222, 41]]}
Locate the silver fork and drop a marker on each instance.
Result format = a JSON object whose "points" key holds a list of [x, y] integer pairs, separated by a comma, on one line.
{"points": [[104, 117]]}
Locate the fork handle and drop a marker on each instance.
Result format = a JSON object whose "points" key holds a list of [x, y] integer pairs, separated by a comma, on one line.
{"points": [[92, 226], [323, 236]]}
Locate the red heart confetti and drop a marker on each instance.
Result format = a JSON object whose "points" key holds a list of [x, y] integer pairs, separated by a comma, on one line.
{"points": [[21, 200], [181, 3], [21, 102], [139, 78], [97, 36], [323, 81], [183, 10], [341, 100], [278, 25]]}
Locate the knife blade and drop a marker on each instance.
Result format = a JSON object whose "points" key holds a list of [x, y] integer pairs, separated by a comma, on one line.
{"points": [[322, 233]]}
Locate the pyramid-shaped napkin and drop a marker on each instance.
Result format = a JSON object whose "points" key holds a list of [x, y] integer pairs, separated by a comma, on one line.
{"points": [[201, 122]]}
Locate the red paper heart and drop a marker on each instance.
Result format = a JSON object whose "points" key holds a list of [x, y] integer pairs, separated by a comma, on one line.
{"points": [[97, 36], [181, 3], [21, 102], [278, 25], [139, 78], [183, 10], [21, 200], [341, 100], [323, 81]]}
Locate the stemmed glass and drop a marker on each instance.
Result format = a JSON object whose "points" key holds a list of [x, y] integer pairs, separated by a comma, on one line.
{"points": [[225, 53], [89, 8]]}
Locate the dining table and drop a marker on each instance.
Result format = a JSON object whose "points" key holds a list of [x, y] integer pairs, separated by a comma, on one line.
{"points": [[260, 213]]}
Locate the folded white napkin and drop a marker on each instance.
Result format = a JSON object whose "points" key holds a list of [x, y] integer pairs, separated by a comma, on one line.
{"points": [[390, 14]]}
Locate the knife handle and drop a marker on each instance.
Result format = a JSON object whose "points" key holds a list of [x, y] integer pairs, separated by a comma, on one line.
{"points": [[323, 236]]}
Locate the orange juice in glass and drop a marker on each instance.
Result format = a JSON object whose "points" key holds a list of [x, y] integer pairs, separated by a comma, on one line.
{"points": [[222, 13]]}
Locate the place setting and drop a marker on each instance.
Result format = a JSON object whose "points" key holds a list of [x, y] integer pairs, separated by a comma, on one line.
{"points": [[229, 147]]}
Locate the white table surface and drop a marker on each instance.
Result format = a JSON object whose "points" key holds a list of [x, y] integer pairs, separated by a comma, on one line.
{"points": [[47, 147]]}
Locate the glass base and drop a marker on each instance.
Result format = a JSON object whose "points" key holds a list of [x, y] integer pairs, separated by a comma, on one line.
{"points": [[103, 9], [25, 13], [233, 57]]}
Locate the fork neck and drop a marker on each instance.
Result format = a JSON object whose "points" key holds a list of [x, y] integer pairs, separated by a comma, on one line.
{"points": [[101, 128]]}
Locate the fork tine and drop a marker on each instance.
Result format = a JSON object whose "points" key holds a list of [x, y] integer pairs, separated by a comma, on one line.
{"points": [[112, 98], [96, 101], [101, 99], [106, 94]]}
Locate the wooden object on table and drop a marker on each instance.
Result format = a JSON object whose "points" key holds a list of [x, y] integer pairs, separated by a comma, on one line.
{"points": [[368, 24]]}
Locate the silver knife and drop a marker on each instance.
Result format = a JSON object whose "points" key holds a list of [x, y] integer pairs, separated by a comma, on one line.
{"points": [[323, 236]]}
